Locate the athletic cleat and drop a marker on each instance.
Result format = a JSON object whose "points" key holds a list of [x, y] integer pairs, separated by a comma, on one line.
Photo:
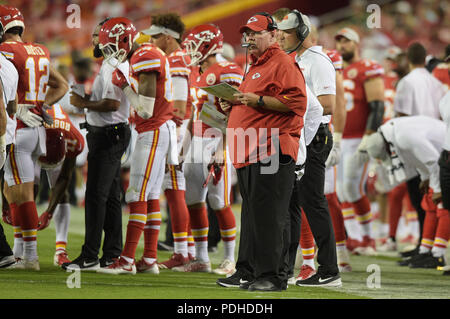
{"points": [[225, 268], [176, 260], [319, 280], [194, 266], [367, 247], [234, 281], [83, 264], [389, 245], [410, 239], [61, 258], [305, 273], [121, 266], [6, 261], [145, 267], [292, 280], [345, 267], [352, 244], [26, 264], [428, 261]]}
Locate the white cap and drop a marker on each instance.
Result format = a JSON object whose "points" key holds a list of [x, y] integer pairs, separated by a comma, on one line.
{"points": [[393, 52], [290, 21], [157, 29], [347, 33], [376, 146]]}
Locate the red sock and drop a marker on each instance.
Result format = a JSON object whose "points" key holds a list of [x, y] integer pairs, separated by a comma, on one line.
{"points": [[15, 220], [179, 214], [362, 210], [136, 223], [443, 228], [336, 217], [151, 229], [199, 223], [395, 204], [429, 229], [28, 217], [306, 239], [227, 223]]}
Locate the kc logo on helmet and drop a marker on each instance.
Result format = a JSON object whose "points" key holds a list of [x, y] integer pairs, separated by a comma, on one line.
{"points": [[117, 31]]}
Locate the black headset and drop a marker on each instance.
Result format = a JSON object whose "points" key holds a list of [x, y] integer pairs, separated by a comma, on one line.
{"points": [[302, 29], [272, 25]]}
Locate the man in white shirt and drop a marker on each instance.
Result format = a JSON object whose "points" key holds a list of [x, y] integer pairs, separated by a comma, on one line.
{"points": [[8, 90], [108, 136], [320, 77], [418, 93], [411, 144]]}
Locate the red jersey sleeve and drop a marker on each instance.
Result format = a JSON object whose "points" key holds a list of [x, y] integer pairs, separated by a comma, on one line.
{"points": [[178, 66], [7, 51], [336, 58], [370, 69], [232, 74], [146, 59]]}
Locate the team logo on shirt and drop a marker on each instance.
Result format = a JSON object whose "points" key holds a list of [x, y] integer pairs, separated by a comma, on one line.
{"points": [[352, 73], [211, 79], [256, 75]]}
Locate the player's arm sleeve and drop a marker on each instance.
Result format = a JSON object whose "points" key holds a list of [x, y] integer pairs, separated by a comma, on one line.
{"points": [[180, 88]]}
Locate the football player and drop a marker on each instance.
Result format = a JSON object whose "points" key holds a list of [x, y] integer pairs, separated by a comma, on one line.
{"points": [[150, 95], [202, 44], [64, 143], [40, 85], [442, 70], [364, 93], [166, 33]]}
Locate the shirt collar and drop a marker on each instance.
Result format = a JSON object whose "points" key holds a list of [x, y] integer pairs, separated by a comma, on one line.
{"points": [[270, 51]]}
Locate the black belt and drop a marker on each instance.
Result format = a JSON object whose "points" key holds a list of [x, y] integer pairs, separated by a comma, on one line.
{"points": [[102, 129]]}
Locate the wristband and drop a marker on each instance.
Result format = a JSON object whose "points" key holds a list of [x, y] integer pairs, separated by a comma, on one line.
{"points": [[132, 96], [337, 136]]}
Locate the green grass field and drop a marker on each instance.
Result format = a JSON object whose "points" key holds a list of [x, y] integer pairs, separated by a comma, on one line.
{"points": [[50, 282]]}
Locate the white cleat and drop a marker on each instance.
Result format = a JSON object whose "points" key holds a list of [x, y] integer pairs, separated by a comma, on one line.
{"points": [[121, 266], [225, 268], [26, 264]]}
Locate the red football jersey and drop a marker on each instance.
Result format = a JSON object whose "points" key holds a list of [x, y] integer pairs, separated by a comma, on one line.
{"points": [[73, 137], [177, 61], [228, 72], [149, 58], [356, 104], [390, 82], [32, 62], [442, 73]]}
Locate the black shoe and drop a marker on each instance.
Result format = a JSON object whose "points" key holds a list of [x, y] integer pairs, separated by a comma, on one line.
{"points": [[320, 280], [246, 284], [410, 253], [413, 259], [234, 281], [263, 285], [6, 261], [82, 263], [428, 261], [446, 273], [106, 261], [163, 246]]}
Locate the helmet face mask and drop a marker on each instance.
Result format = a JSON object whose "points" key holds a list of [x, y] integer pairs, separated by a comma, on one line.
{"points": [[203, 41]]}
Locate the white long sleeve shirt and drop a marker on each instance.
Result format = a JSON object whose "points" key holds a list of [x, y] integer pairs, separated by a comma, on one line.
{"points": [[444, 108]]}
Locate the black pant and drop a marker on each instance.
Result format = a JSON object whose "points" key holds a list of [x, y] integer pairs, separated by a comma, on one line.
{"points": [[444, 177], [264, 240], [103, 209], [309, 194], [416, 199]]}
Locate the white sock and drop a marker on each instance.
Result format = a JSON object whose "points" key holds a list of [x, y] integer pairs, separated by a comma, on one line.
{"points": [[423, 249], [353, 228], [18, 248], [181, 247], [149, 260], [438, 251], [414, 228], [309, 262], [367, 229], [61, 216], [127, 259], [384, 230], [229, 249], [201, 251], [30, 250]]}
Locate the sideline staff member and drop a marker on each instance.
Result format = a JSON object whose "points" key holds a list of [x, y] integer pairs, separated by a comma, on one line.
{"points": [[274, 97], [108, 137]]}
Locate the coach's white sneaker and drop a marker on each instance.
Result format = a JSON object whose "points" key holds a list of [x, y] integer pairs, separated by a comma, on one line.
{"points": [[119, 267], [225, 268]]}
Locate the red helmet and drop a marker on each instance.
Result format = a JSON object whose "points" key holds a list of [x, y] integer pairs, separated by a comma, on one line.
{"points": [[116, 38], [11, 17], [202, 42], [56, 149]]}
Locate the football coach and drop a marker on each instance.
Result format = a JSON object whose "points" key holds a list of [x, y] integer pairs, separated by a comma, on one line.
{"points": [[263, 134]]}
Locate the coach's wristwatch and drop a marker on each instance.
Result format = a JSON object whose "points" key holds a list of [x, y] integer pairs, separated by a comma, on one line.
{"points": [[260, 101]]}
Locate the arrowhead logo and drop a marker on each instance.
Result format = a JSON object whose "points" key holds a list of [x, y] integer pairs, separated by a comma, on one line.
{"points": [[255, 76]]}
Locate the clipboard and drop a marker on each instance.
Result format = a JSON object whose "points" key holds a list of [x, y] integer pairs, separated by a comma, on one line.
{"points": [[222, 90], [212, 117]]}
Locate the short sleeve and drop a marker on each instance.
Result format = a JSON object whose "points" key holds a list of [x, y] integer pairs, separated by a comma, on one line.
{"points": [[403, 99], [178, 68], [7, 51], [109, 90], [146, 60], [232, 74], [372, 70], [323, 76]]}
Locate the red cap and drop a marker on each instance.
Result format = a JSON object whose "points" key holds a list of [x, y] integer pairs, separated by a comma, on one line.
{"points": [[256, 23]]}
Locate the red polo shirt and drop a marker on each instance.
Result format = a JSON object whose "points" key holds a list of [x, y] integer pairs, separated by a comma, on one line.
{"points": [[273, 74]]}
